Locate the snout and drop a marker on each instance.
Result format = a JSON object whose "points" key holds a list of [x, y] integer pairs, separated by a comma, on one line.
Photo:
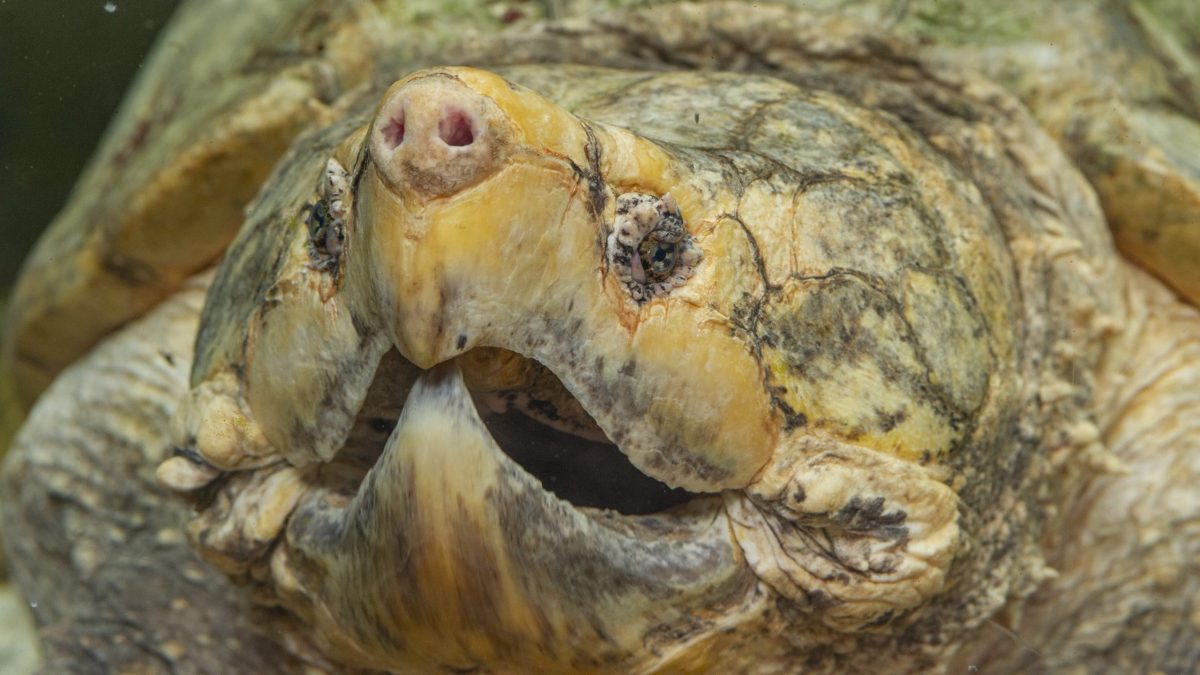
{"points": [[436, 136]]}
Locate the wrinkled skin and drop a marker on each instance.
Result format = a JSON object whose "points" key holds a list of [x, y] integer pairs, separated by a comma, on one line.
{"points": [[901, 364]]}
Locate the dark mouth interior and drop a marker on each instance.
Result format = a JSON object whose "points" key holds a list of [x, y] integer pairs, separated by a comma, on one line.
{"points": [[579, 470], [587, 472]]}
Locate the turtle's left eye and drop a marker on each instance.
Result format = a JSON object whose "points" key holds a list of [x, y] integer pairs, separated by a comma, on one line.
{"points": [[658, 257], [650, 249]]}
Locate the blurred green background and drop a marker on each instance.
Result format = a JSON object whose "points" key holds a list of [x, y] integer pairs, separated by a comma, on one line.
{"points": [[64, 67]]}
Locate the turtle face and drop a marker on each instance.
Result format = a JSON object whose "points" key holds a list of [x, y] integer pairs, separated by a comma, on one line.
{"points": [[541, 393], [503, 241]]}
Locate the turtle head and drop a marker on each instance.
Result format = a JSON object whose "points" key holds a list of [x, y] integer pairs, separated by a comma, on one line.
{"points": [[540, 391]]}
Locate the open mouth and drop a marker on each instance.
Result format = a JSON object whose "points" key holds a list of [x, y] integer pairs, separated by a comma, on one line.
{"points": [[531, 417], [418, 495]]}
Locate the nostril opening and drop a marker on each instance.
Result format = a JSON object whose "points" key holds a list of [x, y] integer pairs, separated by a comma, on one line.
{"points": [[393, 131], [455, 128]]}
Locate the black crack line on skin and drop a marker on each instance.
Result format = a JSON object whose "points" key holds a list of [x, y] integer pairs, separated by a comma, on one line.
{"points": [[996, 199], [751, 122], [741, 167], [755, 252], [931, 393], [606, 98], [976, 313], [959, 422], [885, 50], [811, 535], [129, 271], [923, 120], [597, 188], [361, 161], [805, 182], [30, 359], [791, 418]]}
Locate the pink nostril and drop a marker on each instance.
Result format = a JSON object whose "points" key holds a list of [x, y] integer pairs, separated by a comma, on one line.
{"points": [[393, 131], [455, 128]]}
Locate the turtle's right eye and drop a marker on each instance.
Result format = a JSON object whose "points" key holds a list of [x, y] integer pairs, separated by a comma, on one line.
{"points": [[327, 217], [650, 250]]}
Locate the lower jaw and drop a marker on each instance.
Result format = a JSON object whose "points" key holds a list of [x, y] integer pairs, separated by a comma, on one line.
{"points": [[449, 552]]}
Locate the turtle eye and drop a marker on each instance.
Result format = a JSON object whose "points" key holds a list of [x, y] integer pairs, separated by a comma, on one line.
{"points": [[658, 257], [650, 250], [326, 217]]}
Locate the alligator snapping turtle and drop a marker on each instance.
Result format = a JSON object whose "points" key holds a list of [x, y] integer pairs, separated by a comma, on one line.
{"points": [[764, 342]]}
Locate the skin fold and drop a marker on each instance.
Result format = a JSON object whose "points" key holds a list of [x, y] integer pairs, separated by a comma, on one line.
{"points": [[914, 393]]}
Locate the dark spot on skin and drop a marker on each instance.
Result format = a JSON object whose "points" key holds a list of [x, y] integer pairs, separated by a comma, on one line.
{"points": [[129, 271], [188, 452], [868, 516], [318, 527], [33, 360], [745, 311], [168, 357], [888, 421], [461, 341], [792, 420], [883, 619], [888, 564], [136, 140], [204, 497], [821, 600], [798, 495], [667, 634]]}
